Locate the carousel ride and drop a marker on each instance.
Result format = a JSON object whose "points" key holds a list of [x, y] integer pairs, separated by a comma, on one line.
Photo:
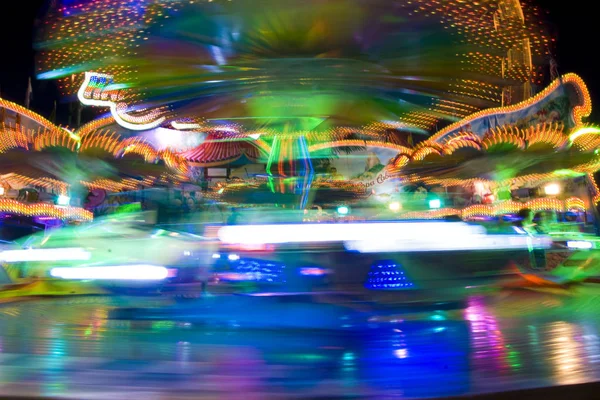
{"points": [[410, 110], [290, 85]]}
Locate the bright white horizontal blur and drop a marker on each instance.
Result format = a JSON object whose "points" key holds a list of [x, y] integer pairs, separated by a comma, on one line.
{"points": [[345, 232], [61, 254], [117, 272], [450, 243], [579, 244]]}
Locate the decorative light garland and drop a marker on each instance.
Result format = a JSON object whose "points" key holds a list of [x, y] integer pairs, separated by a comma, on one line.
{"points": [[20, 110], [595, 187], [506, 207], [578, 113], [44, 210]]}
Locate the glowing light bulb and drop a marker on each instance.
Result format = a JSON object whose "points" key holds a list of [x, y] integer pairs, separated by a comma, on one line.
{"points": [[552, 189], [343, 210], [435, 203], [395, 206], [63, 200]]}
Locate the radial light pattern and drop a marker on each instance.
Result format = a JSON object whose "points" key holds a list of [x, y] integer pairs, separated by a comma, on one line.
{"points": [[304, 65]]}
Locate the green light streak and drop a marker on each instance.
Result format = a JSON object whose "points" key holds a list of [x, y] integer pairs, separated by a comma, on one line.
{"points": [[567, 173], [275, 149]]}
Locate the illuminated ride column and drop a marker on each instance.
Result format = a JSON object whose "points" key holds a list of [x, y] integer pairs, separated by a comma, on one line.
{"points": [[290, 169]]}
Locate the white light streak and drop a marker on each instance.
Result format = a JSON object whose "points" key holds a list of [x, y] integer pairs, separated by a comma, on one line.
{"points": [[60, 254], [113, 106], [140, 272]]}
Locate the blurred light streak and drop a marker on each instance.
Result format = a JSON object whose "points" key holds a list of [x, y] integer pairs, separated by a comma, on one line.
{"points": [[579, 244], [113, 106], [62, 254], [447, 243], [368, 236], [141, 272]]}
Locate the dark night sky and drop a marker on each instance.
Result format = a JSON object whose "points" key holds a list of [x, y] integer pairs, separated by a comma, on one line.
{"points": [[572, 26]]}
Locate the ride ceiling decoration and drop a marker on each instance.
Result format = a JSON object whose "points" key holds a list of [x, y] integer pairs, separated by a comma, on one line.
{"points": [[565, 100], [505, 156], [542, 126], [343, 74], [298, 66], [539, 139]]}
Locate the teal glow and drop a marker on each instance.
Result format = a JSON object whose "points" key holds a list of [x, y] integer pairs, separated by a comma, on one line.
{"points": [[435, 203], [343, 210], [438, 317]]}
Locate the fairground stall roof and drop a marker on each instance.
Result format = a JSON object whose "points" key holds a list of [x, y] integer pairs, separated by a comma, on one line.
{"points": [[251, 69]]}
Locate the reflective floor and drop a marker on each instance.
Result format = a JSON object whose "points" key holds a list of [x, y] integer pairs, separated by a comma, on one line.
{"points": [[504, 340]]}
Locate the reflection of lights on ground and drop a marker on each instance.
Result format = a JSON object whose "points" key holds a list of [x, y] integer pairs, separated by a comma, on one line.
{"points": [[313, 271], [487, 340], [401, 353], [567, 355]]}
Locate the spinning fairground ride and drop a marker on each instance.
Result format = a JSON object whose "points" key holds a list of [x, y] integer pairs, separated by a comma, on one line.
{"points": [[342, 111]]}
